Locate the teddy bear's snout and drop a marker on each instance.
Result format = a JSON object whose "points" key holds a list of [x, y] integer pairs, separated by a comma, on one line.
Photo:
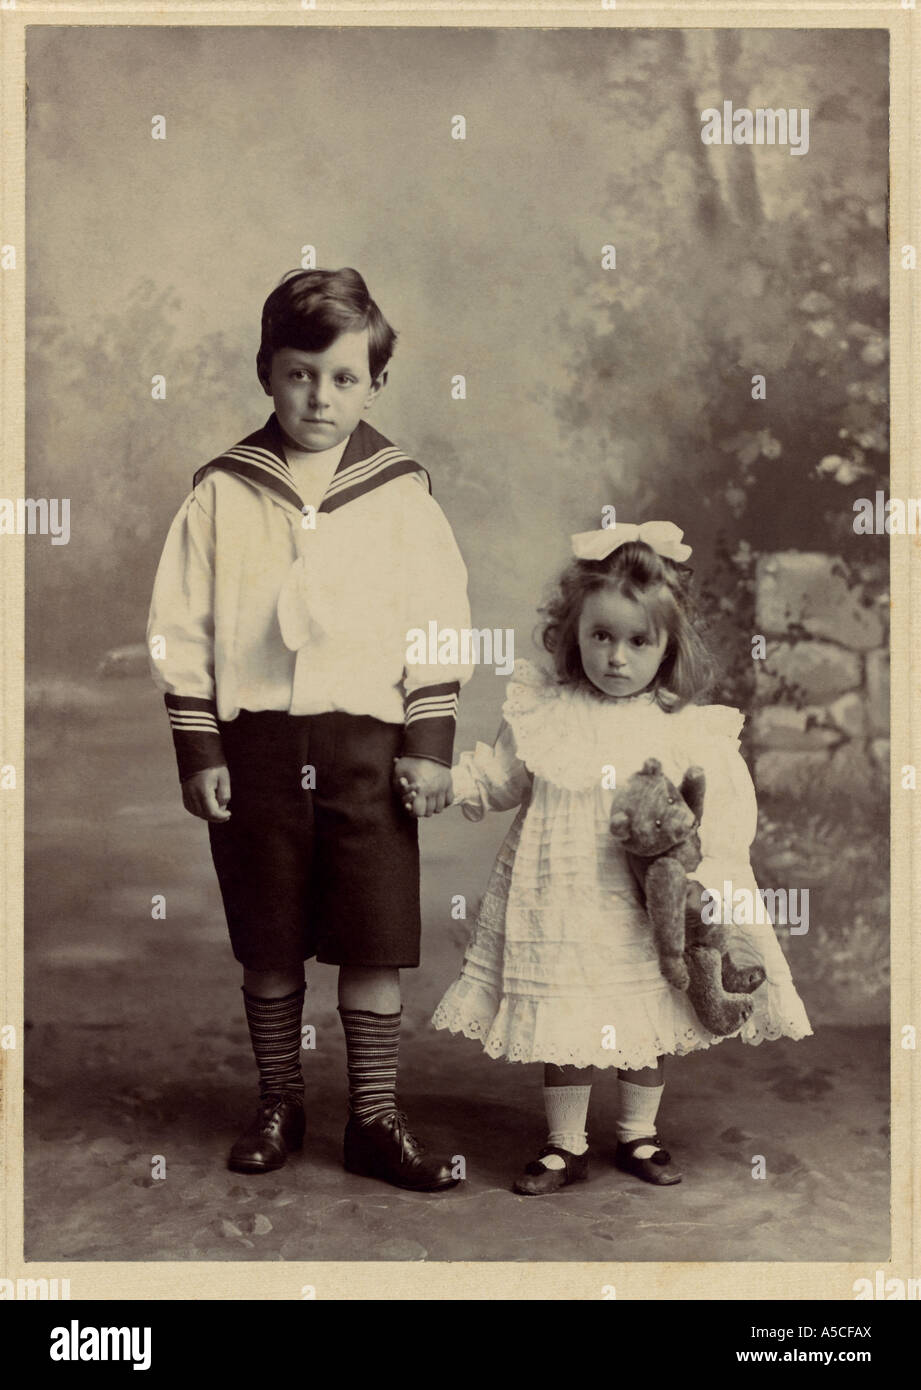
{"points": [[686, 820]]}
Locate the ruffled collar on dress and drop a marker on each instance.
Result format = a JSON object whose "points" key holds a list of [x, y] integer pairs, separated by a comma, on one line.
{"points": [[572, 736], [591, 692]]}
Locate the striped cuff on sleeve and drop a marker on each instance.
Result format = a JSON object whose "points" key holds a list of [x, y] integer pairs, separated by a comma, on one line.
{"points": [[196, 736], [430, 716]]}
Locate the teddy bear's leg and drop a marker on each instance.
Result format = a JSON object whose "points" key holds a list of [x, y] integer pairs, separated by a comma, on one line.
{"points": [[741, 979], [719, 1012], [737, 979], [666, 890]]}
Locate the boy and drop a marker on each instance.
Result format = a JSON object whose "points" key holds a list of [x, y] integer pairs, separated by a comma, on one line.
{"points": [[278, 633]]}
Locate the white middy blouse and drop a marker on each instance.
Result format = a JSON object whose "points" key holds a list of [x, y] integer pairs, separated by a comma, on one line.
{"points": [[264, 602]]}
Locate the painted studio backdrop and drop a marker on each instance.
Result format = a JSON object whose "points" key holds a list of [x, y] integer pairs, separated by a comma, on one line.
{"points": [[595, 307]]}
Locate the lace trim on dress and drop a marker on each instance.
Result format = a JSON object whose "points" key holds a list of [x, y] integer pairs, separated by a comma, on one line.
{"points": [[601, 1033]]}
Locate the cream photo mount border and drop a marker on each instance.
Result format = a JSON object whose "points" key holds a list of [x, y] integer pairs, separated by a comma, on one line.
{"points": [[543, 1281]]}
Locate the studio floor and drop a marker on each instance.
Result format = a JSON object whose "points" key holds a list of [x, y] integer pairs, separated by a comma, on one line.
{"points": [[139, 1074]]}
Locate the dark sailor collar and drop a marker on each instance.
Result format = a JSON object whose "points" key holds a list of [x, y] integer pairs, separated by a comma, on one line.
{"points": [[369, 460]]}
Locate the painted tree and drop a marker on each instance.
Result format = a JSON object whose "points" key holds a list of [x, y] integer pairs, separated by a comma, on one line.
{"points": [[731, 373], [98, 435]]}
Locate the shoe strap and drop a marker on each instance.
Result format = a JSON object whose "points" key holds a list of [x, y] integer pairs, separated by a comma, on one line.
{"points": [[661, 1156], [565, 1154]]}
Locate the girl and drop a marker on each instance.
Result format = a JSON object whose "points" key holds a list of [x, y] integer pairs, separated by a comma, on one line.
{"points": [[562, 967]]}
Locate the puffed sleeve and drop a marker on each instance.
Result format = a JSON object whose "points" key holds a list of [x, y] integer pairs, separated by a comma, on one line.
{"points": [[730, 816], [436, 602], [727, 830], [490, 779], [180, 638]]}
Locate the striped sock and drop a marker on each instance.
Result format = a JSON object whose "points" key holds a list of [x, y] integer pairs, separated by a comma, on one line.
{"points": [[372, 1042], [275, 1032]]}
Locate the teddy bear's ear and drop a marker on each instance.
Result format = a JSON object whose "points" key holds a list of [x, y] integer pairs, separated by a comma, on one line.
{"points": [[652, 767], [620, 825]]}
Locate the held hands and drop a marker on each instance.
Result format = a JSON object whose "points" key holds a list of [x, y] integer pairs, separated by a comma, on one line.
{"points": [[207, 794], [423, 786]]}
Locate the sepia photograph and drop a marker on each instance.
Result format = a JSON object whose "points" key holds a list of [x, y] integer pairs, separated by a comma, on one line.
{"points": [[457, 523]]}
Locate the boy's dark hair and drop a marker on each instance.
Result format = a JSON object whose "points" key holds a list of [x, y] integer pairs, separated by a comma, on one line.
{"points": [[662, 587], [308, 309]]}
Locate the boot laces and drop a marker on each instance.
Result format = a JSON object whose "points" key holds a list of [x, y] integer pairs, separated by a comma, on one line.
{"points": [[403, 1132]]}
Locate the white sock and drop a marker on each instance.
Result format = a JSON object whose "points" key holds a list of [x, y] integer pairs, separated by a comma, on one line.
{"points": [[567, 1110], [638, 1107]]}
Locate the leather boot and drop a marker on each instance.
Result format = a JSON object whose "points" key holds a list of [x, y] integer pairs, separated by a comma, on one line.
{"points": [[384, 1148], [276, 1130]]}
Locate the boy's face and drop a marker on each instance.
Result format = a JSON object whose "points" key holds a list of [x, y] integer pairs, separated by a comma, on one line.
{"points": [[321, 396], [620, 654]]}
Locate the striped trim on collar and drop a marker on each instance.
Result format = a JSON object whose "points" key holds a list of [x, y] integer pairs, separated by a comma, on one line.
{"points": [[369, 460]]}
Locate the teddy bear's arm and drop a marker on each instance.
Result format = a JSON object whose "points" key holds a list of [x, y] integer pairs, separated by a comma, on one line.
{"points": [[666, 890], [693, 786]]}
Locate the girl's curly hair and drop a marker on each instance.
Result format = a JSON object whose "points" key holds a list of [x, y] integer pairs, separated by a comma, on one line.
{"points": [[663, 588]]}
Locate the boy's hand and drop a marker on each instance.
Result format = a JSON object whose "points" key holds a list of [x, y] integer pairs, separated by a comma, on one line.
{"points": [[422, 785], [207, 794]]}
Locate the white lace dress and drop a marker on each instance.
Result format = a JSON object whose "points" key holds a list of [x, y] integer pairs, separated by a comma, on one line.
{"points": [[561, 965]]}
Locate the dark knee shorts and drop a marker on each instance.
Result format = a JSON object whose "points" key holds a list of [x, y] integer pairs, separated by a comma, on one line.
{"points": [[330, 871]]}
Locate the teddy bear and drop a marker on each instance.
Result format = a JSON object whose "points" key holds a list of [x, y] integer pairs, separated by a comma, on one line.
{"points": [[657, 823]]}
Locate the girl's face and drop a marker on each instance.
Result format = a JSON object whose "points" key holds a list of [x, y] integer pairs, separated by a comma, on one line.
{"points": [[620, 652]]}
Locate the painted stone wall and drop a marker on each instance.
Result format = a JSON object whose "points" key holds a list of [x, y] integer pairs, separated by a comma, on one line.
{"points": [[820, 758], [821, 722]]}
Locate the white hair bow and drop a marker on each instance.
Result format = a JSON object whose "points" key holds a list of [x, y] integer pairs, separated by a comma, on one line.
{"points": [[664, 537]]}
